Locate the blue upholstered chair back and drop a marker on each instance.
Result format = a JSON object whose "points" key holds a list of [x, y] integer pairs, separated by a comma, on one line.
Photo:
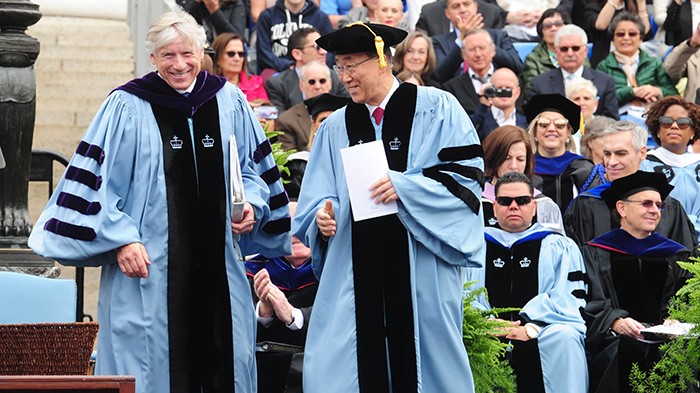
{"points": [[30, 299]]}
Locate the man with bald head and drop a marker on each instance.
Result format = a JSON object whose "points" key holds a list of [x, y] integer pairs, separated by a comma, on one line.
{"points": [[498, 101]]}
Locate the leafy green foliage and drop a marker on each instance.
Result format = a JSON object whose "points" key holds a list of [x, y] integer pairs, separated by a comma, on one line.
{"points": [[491, 371], [281, 156], [681, 357]]}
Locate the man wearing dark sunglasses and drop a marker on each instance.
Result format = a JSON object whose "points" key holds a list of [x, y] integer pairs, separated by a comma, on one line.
{"points": [[632, 275], [541, 272], [571, 50]]}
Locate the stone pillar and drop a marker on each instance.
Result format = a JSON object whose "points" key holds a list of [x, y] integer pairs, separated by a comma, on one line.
{"points": [[18, 52]]}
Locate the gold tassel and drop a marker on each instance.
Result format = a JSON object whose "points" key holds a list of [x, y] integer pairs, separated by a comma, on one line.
{"points": [[378, 42], [582, 124]]}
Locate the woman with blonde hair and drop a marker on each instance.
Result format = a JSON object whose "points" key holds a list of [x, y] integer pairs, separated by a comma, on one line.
{"points": [[416, 53]]}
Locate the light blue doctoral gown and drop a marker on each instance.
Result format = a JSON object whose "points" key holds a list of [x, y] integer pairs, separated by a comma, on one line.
{"points": [[444, 237], [683, 173], [561, 340], [133, 313]]}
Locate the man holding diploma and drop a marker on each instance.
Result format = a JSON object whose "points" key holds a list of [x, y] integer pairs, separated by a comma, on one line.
{"points": [[388, 315]]}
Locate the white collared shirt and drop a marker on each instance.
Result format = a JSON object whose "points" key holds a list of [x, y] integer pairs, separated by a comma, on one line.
{"points": [[569, 76], [500, 117], [477, 83], [371, 108]]}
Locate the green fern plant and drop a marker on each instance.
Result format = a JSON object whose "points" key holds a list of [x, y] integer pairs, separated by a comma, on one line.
{"points": [[677, 369], [281, 156], [491, 371]]}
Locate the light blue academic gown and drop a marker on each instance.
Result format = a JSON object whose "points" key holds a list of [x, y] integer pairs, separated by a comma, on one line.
{"points": [[444, 237], [133, 313], [561, 340], [683, 173]]}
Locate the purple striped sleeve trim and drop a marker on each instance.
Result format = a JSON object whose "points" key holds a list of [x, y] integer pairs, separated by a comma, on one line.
{"points": [[76, 232], [279, 200], [262, 151], [78, 204], [91, 151], [278, 226], [82, 176]]}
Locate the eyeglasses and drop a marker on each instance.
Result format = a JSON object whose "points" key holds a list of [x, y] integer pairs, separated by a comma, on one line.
{"points": [[682, 122], [321, 81], [565, 49], [519, 200], [621, 34], [549, 25], [560, 124], [315, 46], [234, 54], [350, 68], [648, 204]]}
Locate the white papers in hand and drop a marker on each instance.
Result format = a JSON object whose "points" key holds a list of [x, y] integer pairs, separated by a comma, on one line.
{"points": [[236, 181], [674, 329], [365, 164]]}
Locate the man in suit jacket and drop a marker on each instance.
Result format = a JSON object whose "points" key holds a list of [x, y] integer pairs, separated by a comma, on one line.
{"points": [[684, 60], [571, 49], [295, 122], [499, 110], [283, 88], [434, 21]]}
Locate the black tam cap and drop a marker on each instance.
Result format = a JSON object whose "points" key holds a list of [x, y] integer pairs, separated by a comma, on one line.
{"points": [[637, 182], [554, 103], [361, 37], [325, 102]]}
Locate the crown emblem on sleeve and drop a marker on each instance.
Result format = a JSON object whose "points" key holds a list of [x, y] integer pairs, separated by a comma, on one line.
{"points": [[208, 141], [176, 143], [395, 144], [498, 262], [525, 262]]}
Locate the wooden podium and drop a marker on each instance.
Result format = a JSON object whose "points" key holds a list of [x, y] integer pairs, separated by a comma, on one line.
{"points": [[68, 383]]}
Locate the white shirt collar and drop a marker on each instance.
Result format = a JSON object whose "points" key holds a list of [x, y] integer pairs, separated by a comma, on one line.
{"points": [[578, 73], [394, 86], [500, 117], [188, 90]]}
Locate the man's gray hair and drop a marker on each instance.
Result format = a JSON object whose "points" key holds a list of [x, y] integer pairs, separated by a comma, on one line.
{"points": [[639, 133], [479, 31], [171, 26], [577, 84], [312, 64], [568, 30]]}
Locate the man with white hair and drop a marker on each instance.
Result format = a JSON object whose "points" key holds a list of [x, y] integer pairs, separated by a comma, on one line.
{"points": [[146, 197], [571, 49]]}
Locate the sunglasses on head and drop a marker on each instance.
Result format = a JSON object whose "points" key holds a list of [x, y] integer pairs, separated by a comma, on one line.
{"points": [[321, 81], [681, 122], [621, 34], [574, 48], [560, 124], [519, 200], [235, 53], [648, 204]]}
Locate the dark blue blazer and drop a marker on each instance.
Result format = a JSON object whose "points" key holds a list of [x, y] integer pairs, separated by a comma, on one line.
{"points": [[552, 82], [449, 55], [484, 122]]}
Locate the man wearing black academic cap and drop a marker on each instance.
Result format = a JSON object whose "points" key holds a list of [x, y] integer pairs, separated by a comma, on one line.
{"points": [[633, 273], [320, 108], [388, 315]]}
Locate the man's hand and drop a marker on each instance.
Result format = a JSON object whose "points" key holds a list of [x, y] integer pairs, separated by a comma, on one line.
{"points": [[648, 93], [133, 260], [695, 38], [383, 191], [271, 298], [247, 222], [474, 21], [325, 219], [628, 327], [483, 100]]}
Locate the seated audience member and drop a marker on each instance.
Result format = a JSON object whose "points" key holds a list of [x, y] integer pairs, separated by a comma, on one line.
{"points": [[543, 58], [632, 274], [684, 61], [584, 94], [541, 272], [478, 54], [597, 17], [320, 108], [231, 64], [508, 149], [295, 122], [275, 27], [365, 13], [464, 17], [283, 88], [217, 16], [559, 173], [417, 55], [624, 149], [640, 79], [521, 17], [674, 123], [336, 10], [498, 104], [435, 17], [390, 13], [571, 49], [591, 142], [284, 289]]}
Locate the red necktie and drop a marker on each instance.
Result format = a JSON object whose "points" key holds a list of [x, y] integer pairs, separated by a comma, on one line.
{"points": [[377, 115]]}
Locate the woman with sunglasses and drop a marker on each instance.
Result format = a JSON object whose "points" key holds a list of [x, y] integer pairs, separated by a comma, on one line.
{"points": [[508, 149], [674, 123], [542, 59], [559, 173], [230, 62], [640, 79]]}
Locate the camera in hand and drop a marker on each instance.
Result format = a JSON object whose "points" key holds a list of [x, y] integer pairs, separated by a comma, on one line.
{"points": [[491, 92]]}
